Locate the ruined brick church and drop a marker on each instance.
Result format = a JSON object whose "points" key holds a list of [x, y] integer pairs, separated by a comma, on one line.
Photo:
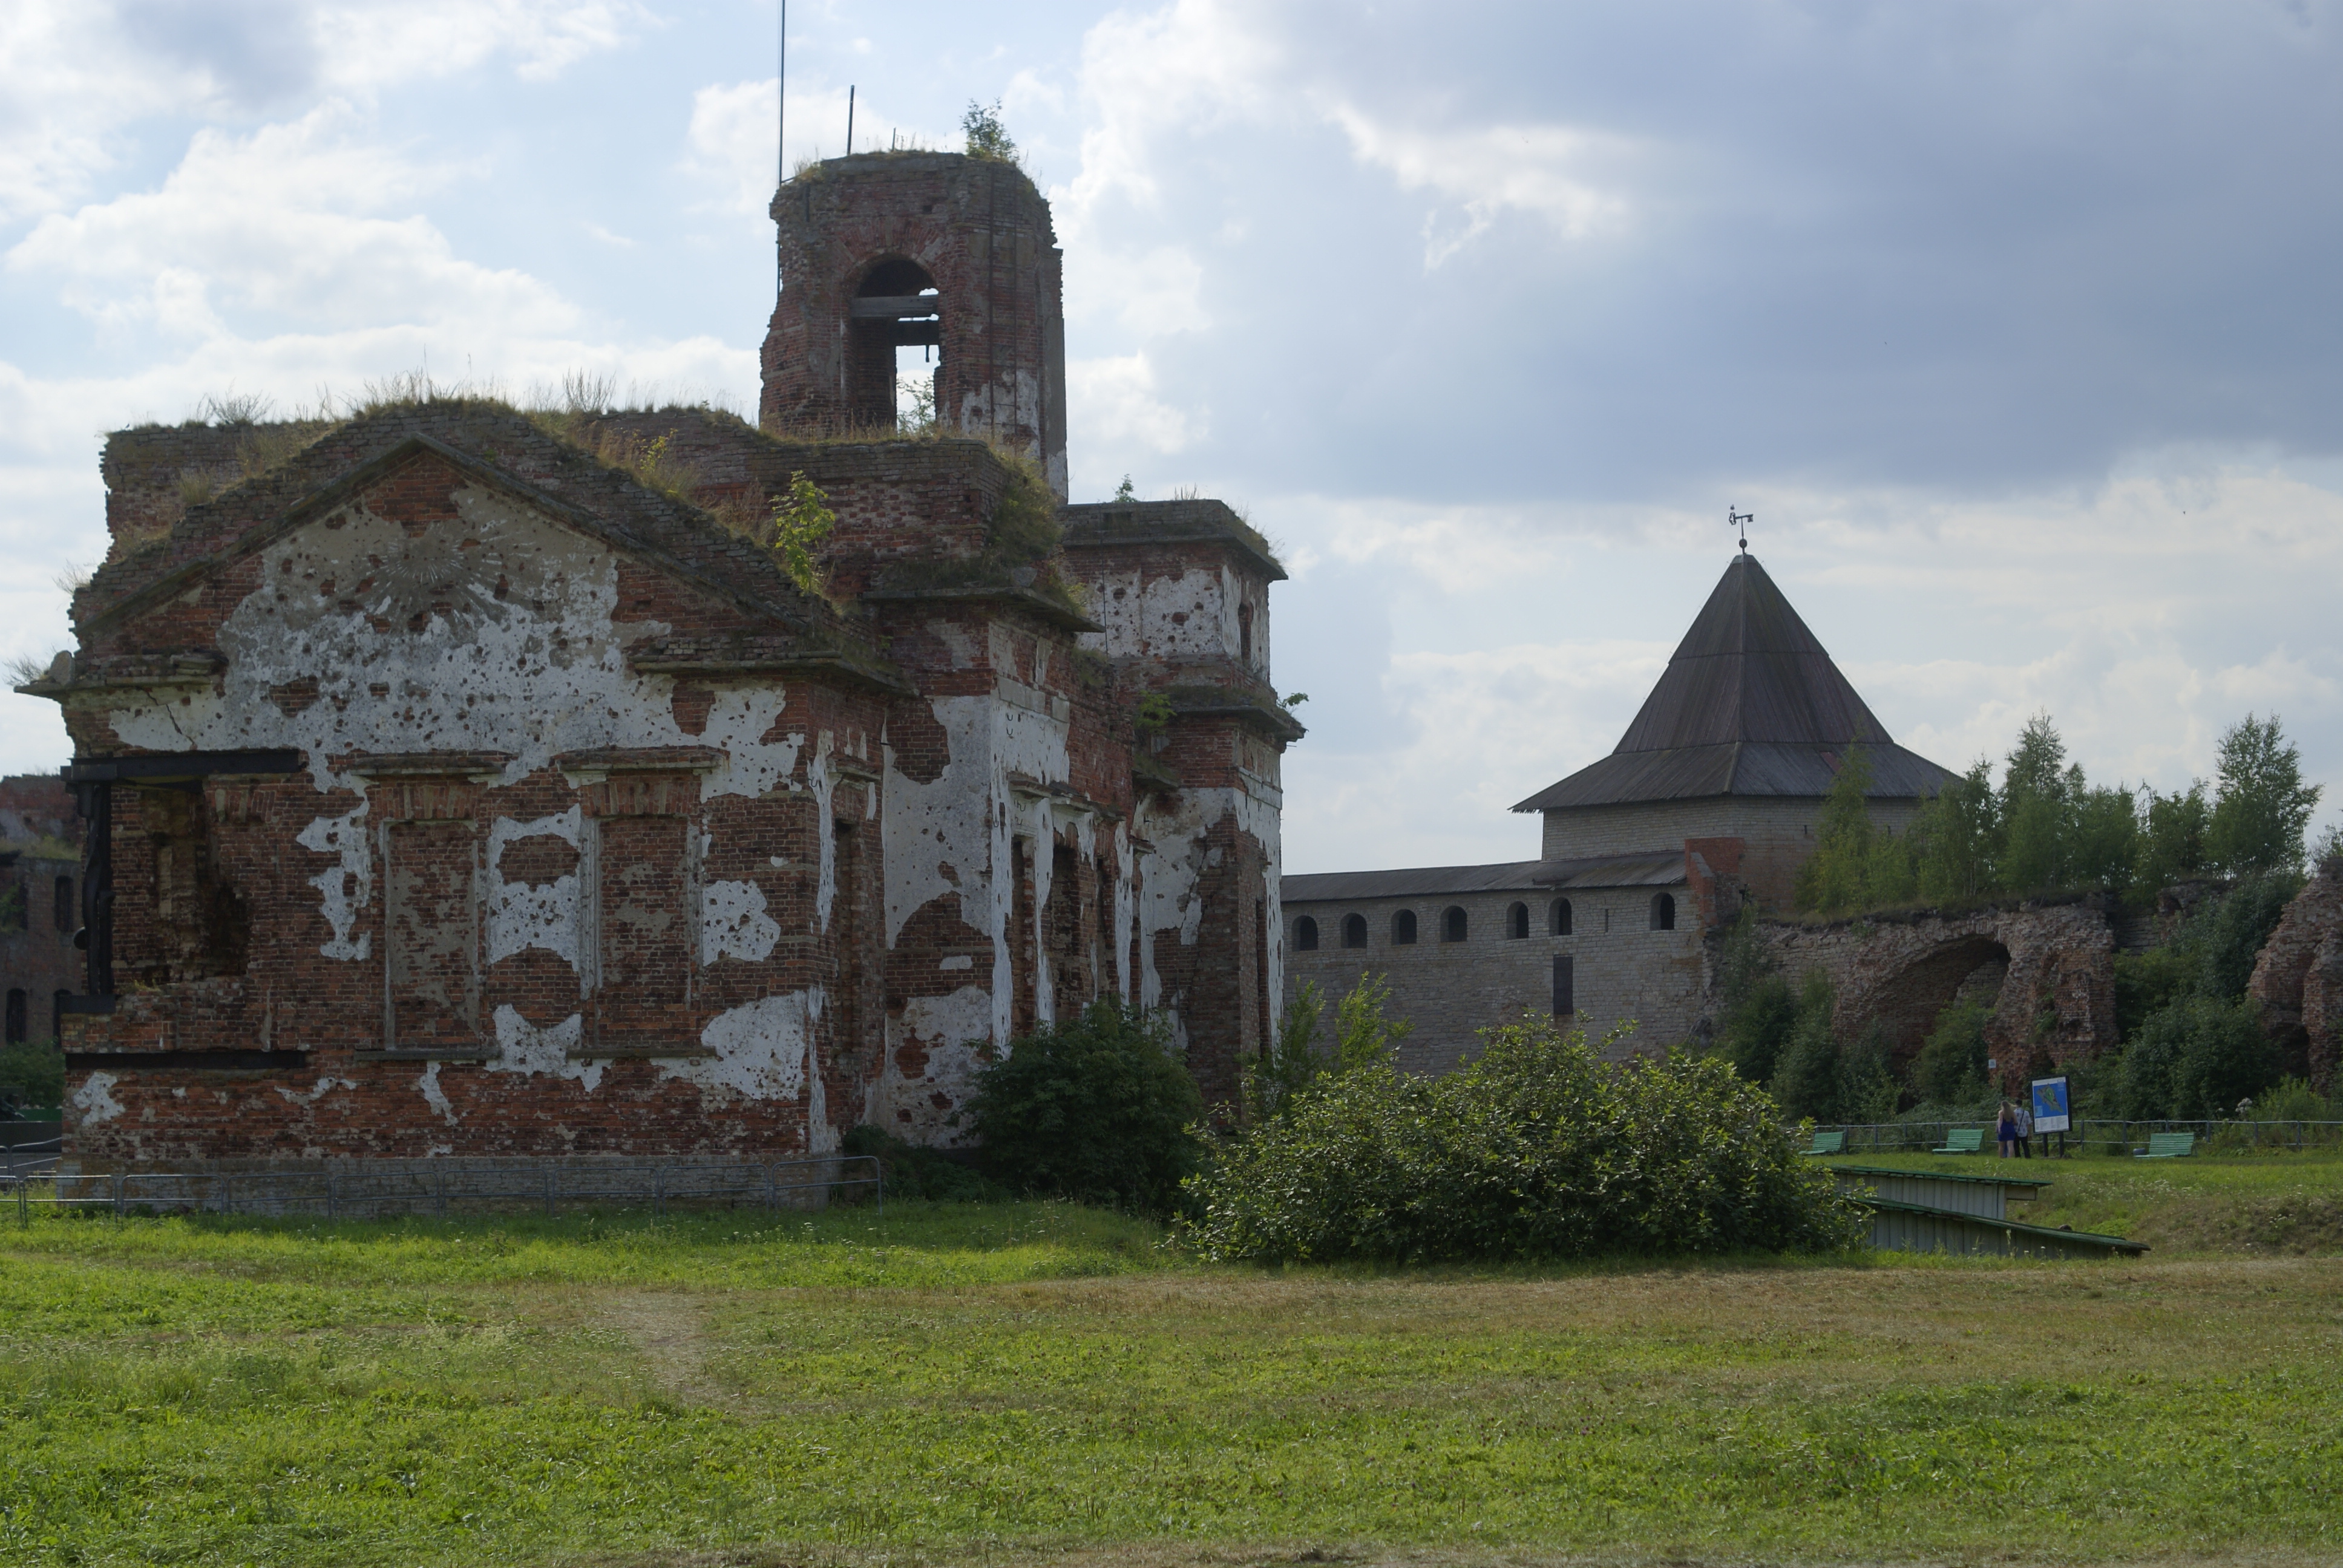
{"points": [[465, 782]]}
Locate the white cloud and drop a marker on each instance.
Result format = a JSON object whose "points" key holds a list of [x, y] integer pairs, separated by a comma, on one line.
{"points": [[1490, 170], [294, 221], [370, 44], [728, 145], [1113, 404], [83, 73]]}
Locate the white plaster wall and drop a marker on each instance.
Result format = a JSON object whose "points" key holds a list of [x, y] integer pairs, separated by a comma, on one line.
{"points": [[535, 670]]}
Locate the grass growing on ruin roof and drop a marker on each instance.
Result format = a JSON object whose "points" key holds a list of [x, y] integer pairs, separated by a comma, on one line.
{"points": [[1002, 1383]]}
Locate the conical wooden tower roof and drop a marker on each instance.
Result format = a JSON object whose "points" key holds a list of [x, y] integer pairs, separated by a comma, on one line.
{"points": [[1750, 704]]}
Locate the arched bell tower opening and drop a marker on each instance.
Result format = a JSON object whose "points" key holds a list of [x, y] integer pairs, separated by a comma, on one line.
{"points": [[896, 307], [949, 254]]}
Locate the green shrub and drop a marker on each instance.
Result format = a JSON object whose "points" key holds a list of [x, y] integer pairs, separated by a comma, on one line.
{"points": [[1949, 1068], [1535, 1148], [1364, 1036], [2194, 1059], [2146, 981], [32, 1076], [1098, 1109], [1806, 1080], [2292, 1099], [909, 1170], [1759, 1009], [2229, 936]]}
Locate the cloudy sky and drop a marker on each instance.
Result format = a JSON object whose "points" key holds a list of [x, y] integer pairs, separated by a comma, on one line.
{"points": [[2016, 325]]}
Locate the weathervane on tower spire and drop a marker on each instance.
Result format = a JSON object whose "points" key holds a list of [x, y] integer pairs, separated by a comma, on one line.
{"points": [[1739, 522]]}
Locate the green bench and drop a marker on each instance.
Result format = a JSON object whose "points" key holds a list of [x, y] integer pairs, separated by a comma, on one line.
{"points": [[1828, 1143], [2168, 1146], [1961, 1140]]}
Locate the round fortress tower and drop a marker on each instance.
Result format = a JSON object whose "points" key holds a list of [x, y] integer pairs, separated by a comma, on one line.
{"points": [[956, 253]]}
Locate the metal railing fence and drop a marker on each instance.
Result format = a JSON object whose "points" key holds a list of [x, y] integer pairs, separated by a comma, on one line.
{"points": [[2101, 1134], [354, 1190]]}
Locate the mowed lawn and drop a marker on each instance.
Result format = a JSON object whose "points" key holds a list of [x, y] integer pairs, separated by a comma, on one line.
{"points": [[951, 1384]]}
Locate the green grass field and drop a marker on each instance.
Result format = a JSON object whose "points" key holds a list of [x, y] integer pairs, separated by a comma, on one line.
{"points": [[1004, 1384]]}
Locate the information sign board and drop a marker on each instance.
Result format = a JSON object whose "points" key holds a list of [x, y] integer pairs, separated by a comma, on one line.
{"points": [[2050, 1106]]}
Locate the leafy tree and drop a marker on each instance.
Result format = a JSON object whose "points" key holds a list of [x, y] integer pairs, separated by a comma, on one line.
{"points": [[2037, 791], [1891, 872], [1958, 837], [1364, 1033], [1832, 875], [32, 1076], [2263, 806], [1364, 1036], [2172, 839], [801, 521], [2104, 848], [987, 137], [1097, 1108], [1287, 1065]]}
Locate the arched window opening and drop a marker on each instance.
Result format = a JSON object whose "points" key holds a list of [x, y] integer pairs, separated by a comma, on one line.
{"points": [[1451, 924], [1305, 935], [1664, 911], [57, 1016], [1245, 632], [63, 911], [1354, 931], [895, 309], [1403, 928], [1558, 919], [16, 1022], [1517, 921]]}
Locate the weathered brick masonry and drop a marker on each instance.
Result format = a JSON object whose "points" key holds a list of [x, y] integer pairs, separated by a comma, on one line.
{"points": [[861, 240], [464, 794], [2299, 979]]}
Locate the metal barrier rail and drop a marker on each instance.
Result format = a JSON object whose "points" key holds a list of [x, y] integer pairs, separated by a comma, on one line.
{"points": [[356, 1190], [31, 1158], [1919, 1137]]}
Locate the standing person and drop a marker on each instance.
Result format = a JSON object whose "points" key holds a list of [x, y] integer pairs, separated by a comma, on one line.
{"points": [[2004, 1132], [2025, 1130]]}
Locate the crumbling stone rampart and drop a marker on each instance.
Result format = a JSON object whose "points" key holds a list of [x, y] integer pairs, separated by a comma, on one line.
{"points": [[2055, 997], [2299, 979]]}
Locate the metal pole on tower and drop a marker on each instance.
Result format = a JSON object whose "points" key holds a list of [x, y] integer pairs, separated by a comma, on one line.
{"points": [[780, 131]]}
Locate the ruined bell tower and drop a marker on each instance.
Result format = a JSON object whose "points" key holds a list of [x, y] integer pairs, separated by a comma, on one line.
{"points": [[937, 250]]}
